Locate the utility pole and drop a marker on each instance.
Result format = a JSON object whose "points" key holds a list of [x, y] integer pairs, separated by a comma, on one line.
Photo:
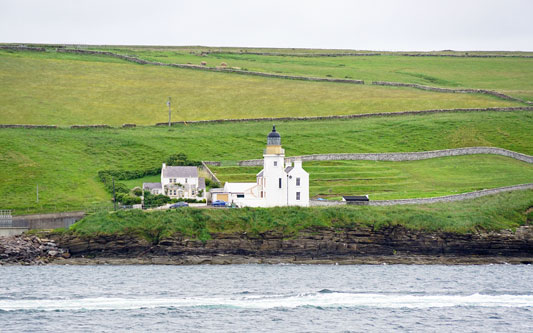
{"points": [[114, 196], [168, 103]]}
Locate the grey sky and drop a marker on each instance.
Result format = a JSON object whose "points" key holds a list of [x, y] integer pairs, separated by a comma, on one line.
{"points": [[358, 24]]}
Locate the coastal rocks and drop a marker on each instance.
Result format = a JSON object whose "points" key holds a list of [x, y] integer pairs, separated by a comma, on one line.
{"points": [[311, 245], [29, 250]]}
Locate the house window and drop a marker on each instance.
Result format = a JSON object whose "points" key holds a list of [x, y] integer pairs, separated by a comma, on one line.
{"points": [[185, 180], [261, 194], [298, 181], [275, 163], [297, 195], [280, 183], [192, 192], [240, 195]]}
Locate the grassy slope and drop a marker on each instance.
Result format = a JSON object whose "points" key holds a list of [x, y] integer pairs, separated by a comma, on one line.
{"points": [[398, 180], [508, 75], [65, 162], [65, 89], [502, 211]]}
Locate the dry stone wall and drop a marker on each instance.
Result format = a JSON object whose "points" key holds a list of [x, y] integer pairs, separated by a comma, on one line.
{"points": [[412, 156], [448, 198], [350, 116], [450, 90]]}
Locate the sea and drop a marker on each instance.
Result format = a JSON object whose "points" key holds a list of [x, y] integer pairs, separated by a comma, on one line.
{"points": [[267, 298]]}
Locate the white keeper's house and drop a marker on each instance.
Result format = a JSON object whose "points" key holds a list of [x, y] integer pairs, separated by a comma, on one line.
{"points": [[280, 183], [179, 182]]}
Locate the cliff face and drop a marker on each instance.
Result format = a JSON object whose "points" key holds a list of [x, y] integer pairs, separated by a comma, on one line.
{"points": [[313, 243]]}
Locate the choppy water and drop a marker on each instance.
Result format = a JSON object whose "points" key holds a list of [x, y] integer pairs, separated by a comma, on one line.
{"points": [[267, 298]]}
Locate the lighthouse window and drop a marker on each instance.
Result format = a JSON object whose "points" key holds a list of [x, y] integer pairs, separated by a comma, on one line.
{"points": [[298, 181], [280, 183], [275, 163]]}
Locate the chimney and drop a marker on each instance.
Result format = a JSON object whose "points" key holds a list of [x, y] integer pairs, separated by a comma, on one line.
{"points": [[288, 163], [164, 166], [298, 163]]}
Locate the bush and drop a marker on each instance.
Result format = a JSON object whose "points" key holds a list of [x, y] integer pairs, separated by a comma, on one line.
{"points": [[180, 159]]}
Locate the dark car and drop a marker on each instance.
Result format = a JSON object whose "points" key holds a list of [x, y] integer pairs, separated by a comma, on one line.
{"points": [[179, 205], [219, 203]]}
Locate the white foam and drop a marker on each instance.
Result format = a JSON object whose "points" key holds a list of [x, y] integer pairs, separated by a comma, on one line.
{"points": [[279, 301]]}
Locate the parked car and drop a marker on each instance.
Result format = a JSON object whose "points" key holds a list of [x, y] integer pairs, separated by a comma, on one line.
{"points": [[179, 204], [219, 203]]}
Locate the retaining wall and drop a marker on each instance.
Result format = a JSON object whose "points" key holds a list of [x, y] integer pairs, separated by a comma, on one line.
{"points": [[447, 198], [206, 168], [47, 221], [451, 90], [412, 156]]}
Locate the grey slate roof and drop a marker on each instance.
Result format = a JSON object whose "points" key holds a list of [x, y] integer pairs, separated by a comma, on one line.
{"points": [[288, 169], [180, 171], [201, 183], [151, 186], [260, 174]]}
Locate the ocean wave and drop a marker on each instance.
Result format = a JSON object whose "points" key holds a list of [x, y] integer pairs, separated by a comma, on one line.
{"points": [[322, 300]]}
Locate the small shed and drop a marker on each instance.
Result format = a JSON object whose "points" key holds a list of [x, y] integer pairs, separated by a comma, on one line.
{"points": [[356, 199]]}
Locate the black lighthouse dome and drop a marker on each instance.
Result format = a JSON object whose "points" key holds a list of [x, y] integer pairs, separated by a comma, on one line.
{"points": [[273, 138]]}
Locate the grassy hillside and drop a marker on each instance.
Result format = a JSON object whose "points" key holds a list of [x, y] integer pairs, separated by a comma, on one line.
{"points": [[65, 162], [502, 211], [66, 89], [509, 75], [399, 180]]}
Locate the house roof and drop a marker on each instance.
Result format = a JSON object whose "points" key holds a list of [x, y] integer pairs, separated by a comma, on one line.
{"points": [[201, 183], [288, 169], [355, 197], [238, 187], [151, 186], [180, 171], [260, 174]]}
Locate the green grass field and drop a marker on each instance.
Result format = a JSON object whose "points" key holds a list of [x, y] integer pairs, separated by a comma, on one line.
{"points": [[66, 89], [508, 75], [398, 180], [65, 162], [502, 211]]}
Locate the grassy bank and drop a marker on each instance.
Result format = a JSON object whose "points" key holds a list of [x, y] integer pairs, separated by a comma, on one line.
{"points": [[64, 162], [502, 211], [399, 180], [66, 89]]}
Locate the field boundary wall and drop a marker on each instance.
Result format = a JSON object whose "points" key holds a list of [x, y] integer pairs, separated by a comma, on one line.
{"points": [[447, 198], [451, 90], [351, 116], [408, 156]]}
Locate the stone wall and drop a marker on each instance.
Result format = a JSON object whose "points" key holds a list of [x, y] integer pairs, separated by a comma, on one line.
{"points": [[451, 90], [26, 126], [213, 69], [213, 176], [22, 48], [447, 198], [361, 115], [412, 156]]}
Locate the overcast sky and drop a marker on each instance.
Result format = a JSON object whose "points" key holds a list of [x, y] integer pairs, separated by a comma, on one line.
{"points": [[357, 24]]}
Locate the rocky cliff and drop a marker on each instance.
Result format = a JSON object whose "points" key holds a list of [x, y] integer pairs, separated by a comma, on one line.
{"points": [[311, 245]]}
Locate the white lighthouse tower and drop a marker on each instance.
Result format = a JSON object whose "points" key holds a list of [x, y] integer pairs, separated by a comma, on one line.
{"points": [[278, 184], [275, 178]]}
